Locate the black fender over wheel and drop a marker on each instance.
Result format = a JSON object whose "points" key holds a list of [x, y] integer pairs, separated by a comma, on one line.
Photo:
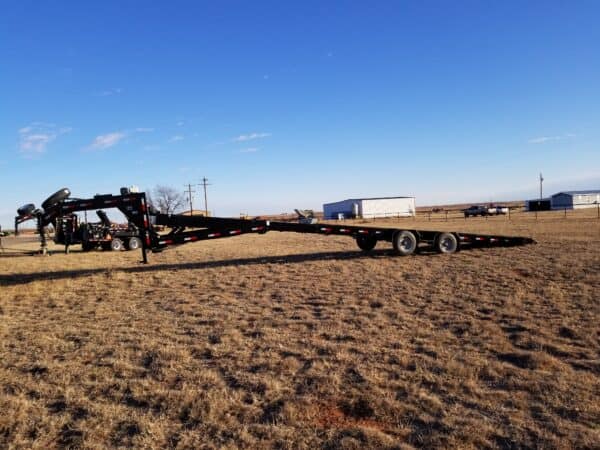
{"points": [[366, 243], [58, 196], [405, 243], [446, 243], [25, 210]]}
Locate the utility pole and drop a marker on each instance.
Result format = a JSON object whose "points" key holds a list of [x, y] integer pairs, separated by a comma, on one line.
{"points": [[204, 184], [189, 192], [541, 181]]}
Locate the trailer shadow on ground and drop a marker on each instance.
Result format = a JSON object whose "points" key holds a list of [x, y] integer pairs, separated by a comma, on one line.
{"points": [[24, 278], [13, 254]]}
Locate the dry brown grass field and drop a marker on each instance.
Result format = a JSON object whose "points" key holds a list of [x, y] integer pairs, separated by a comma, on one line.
{"points": [[298, 341]]}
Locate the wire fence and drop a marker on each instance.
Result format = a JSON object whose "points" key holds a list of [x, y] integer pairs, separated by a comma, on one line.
{"points": [[508, 214]]}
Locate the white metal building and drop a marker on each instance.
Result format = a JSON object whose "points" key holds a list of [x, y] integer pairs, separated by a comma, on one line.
{"points": [[369, 208], [575, 199]]}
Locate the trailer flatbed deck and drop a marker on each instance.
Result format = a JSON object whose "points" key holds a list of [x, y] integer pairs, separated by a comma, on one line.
{"points": [[185, 229]]}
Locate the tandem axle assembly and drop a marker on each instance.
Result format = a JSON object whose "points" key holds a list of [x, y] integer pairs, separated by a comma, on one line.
{"points": [[145, 222]]}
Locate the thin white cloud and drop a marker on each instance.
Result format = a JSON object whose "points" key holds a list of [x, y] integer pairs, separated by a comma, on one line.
{"points": [[176, 138], [144, 130], [545, 139], [251, 136], [180, 123], [107, 92], [35, 137], [105, 141], [249, 150]]}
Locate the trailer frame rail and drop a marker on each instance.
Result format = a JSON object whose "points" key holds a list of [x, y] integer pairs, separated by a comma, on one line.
{"points": [[185, 229]]}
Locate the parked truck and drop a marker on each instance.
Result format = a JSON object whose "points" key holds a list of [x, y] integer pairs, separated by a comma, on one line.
{"points": [[68, 230], [104, 234]]}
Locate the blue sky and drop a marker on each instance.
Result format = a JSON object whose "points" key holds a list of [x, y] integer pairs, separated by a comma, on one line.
{"points": [[293, 104]]}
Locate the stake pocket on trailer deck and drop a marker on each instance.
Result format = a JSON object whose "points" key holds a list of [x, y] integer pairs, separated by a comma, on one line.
{"points": [[184, 229]]}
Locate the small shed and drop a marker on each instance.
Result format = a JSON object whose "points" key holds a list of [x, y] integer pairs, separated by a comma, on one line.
{"points": [[576, 199], [369, 208], [543, 204]]}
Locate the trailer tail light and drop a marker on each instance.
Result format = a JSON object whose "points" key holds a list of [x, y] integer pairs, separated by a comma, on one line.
{"points": [[326, 230], [214, 235], [363, 231]]}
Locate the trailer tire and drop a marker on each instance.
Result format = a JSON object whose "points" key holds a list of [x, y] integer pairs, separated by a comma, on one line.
{"points": [[26, 210], [366, 243], [58, 196], [404, 243], [134, 243], [116, 245], [446, 243], [86, 246]]}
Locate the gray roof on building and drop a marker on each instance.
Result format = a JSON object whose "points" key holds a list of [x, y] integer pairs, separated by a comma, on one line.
{"points": [[370, 198], [591, 191]]}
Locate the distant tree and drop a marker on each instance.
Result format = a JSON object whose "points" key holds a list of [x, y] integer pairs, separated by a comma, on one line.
{"points": [[166, 199]]}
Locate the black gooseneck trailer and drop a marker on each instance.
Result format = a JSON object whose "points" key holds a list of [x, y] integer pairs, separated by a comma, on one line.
{"points": [[184, 229]]}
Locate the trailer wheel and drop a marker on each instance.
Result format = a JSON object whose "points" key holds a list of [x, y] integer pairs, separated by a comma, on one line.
{"points": [[86, 246], [58, 196], [134, 243], [366, 243], [25, 210], [404, 243], [116, 245], [446, 243]]}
